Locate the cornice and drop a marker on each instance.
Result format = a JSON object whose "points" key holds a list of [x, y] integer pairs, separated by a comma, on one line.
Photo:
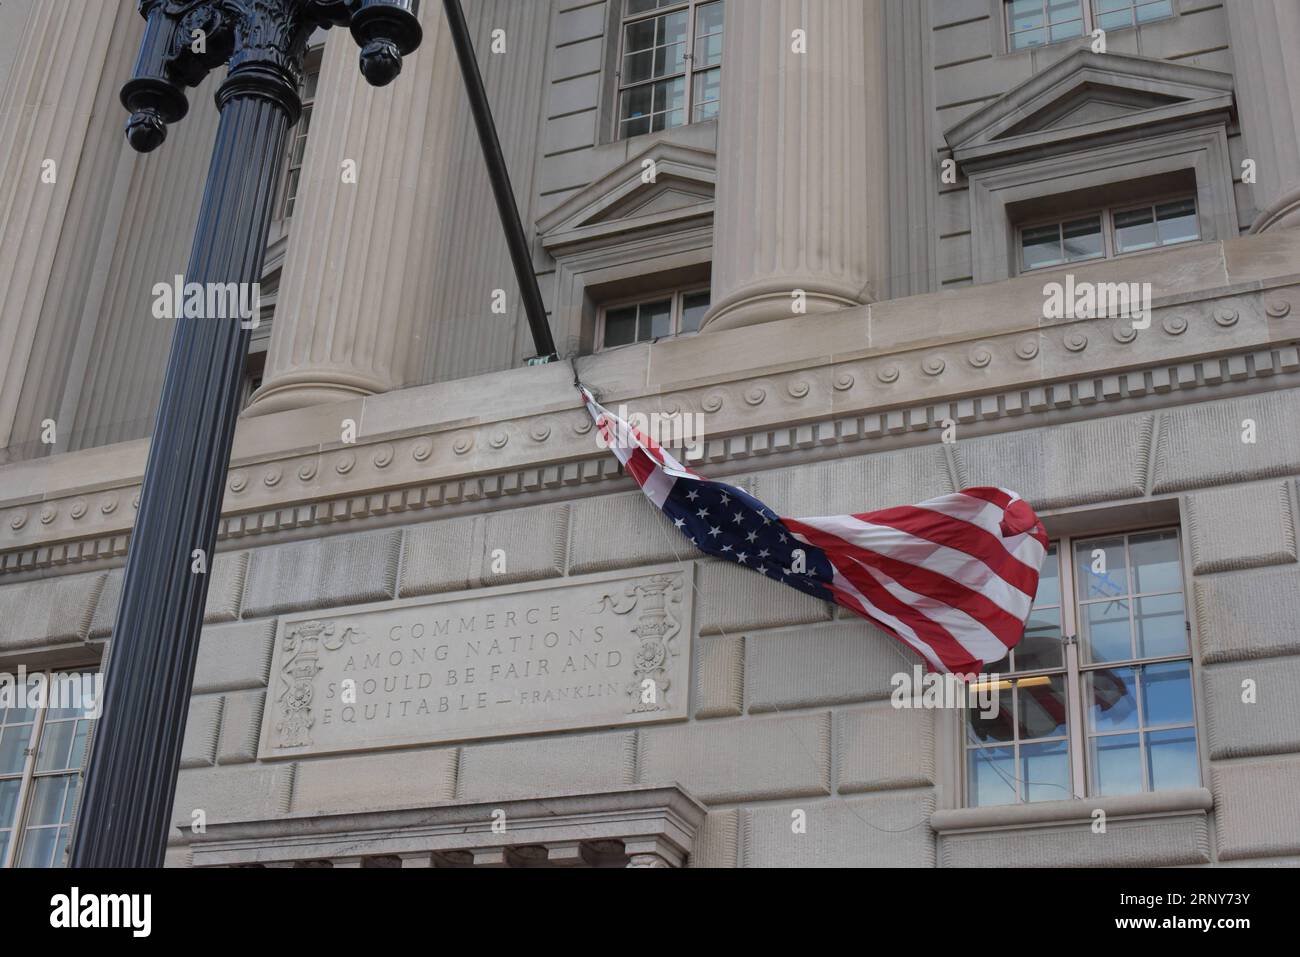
{"points": [[407, 461]]}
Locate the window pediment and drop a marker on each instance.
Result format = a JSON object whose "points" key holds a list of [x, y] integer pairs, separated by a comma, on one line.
{"points": [[1089, 98], [625, 200]]}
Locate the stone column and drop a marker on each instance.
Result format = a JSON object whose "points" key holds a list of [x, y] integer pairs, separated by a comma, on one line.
{"points": [[349, 320], [45, 111], [800, 200], [1265, 36]]}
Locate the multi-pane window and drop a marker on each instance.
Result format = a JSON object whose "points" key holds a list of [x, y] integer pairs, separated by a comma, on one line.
{"points": [[1109, 232], [1109, 712], [646, 320], [298, 135], [670, 64], [1032, 23], [42, 752]]}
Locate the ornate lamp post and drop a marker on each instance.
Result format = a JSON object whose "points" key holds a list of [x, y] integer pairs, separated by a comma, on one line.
{"points": [[131, 777]]}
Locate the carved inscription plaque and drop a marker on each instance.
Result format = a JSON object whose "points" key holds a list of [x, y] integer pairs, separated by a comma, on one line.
{"points": [[599, 650]]}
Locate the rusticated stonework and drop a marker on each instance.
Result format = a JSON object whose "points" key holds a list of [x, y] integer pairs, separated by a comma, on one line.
{"points": [[595, 651]]}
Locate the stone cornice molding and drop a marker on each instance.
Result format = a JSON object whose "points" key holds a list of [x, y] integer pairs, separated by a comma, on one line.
{"points": [[457, 443], [638, 823]]}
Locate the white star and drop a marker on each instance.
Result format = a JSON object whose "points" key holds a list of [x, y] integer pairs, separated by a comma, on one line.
{"points": [[739, 517], [715, 531], [740, 557], [680, 522], [766, 520], [752, 536], [763, 569], [764, 553], [726, 548], [693, 494], [703, 513], [726, 499], [784, 539]]}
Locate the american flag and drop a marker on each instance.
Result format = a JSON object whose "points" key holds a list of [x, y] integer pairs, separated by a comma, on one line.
{"points": [[952, 578]]}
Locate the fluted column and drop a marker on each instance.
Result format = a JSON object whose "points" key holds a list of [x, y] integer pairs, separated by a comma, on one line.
{"points": [[1265, 37], [800, 203], [343, 332], [45, 111]]}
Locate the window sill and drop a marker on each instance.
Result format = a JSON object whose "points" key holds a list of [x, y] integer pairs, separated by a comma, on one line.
{"points": [[1015, 816]]}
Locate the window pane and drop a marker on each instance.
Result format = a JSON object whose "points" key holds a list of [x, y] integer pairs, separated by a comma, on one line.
{"points": [[1117, 764], [1176, 222], [1105, 6], [669, 59], [1110, 695], [671, 29], [1030, 38], [708, 35], [644, 6], [639, 36], [991, 776], [9, 789], [56, 742], [1059, 11], [620, 326], [1049, 579], [39, 846], [1064, 31], [694, 306], [14, 740], [46, 804], [1172, 761], [669, 95], [1082, 239], [1154, 11], [1045, 771], [1000, 726], [1040, 246], [1106, 634], [638, 67], [636, 102], [1155, 562], [1115, 21], [1041, 647], [1101, 568], [1167, 693], [708, 93], [4, 844], [1025, 14], [1042, 706], [1161, 626], [1135, 229], [656, 320]]}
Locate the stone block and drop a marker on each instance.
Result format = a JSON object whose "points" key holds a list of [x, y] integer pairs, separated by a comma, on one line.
{"points": [[733, 599], [438, 557], [248, 792], [719, 676], [1158, 842], [646, 536], [1246, 526], [47, 611], [877, 831], [1202, 445], [1270, 724], [884, 747], [531, 767], [235, 657], [533, 543], [241, 726], [717, 843], [742, 759], [322, 573], [375, 781], [1247, 615], [202, 728], [849, 660], [1249, 798]]}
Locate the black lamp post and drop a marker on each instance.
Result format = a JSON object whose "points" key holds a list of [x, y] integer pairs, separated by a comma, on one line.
{"points": [[131, 777]]}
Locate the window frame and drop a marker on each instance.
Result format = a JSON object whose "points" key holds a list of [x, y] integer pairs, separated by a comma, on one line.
{"points": [[1090, 19], [1109, 244], [29, 774], [301, 131], [1082, 771], [622, 19], [677, 296]]}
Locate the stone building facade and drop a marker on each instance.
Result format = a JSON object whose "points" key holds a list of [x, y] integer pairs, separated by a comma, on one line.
{"points": [[426, 646]]}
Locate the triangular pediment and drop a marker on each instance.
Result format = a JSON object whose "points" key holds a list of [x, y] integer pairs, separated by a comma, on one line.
{"points": [[661, 186], [1086, 97]]}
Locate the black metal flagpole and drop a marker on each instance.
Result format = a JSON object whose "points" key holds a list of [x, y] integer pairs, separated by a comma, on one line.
{"points": [[511, 224], [131, 776]]}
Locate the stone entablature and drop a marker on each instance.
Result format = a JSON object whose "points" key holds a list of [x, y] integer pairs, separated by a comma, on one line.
{"points": [[629, 827]]}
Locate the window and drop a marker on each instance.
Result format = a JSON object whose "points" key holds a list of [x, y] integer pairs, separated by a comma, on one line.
{"points": [[670, 64], [42, 753], [298, 135], [1032, 23], [646, 320], [1108, 233], [1107, 713]]}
